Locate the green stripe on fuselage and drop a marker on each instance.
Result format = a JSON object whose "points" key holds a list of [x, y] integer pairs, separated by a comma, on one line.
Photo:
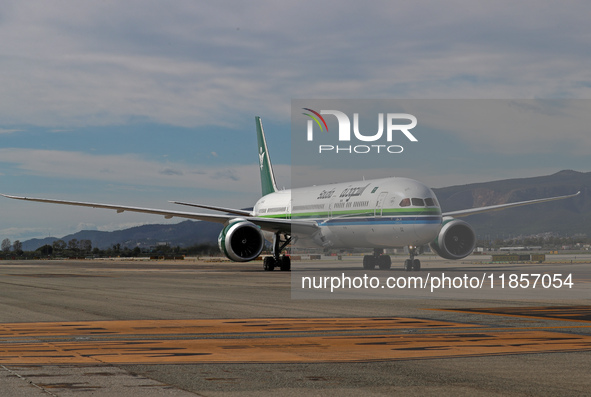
{"points": [[357, 213]]}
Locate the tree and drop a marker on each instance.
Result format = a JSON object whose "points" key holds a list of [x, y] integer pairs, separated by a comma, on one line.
{"points": [[59, 245], [17, 246], [73, 244], [85, 245], [6, 244], [45, 250]]}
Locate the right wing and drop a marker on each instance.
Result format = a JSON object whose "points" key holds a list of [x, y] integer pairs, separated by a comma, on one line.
{"points": [[473, 211], [268, 224]]}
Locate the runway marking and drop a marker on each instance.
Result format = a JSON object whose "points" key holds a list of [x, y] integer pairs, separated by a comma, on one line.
{"points": [[294, 350], [267, 341], [215, 326], [580, 313]]}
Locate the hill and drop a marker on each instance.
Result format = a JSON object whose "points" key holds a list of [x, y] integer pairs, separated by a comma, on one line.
{"points": [[566, 217], [182, 234]]}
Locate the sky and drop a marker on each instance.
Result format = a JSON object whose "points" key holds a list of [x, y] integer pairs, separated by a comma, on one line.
{"points": [[142, 102]]}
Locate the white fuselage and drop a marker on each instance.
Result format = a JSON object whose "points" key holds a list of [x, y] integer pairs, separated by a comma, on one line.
{"points": [[378, 213]]}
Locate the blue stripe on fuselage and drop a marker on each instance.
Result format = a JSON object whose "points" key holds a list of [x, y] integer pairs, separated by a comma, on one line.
{"points": [[386, 220]]}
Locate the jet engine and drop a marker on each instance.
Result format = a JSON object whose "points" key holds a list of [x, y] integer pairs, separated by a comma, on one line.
{"points": [[456, 239], [241, 240]]}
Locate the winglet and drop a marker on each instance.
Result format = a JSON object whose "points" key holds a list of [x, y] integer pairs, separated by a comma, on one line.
{"points": [[267, 177]]}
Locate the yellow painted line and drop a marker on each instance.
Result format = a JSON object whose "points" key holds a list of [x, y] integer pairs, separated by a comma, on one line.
{"points": [[215, 326], [294, 349]]}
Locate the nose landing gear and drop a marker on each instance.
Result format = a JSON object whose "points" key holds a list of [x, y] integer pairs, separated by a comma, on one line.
{"points": [[412, 263]]}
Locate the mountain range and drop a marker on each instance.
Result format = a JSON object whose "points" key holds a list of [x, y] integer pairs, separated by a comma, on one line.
{"points": [[183, 234], [564, 217]]}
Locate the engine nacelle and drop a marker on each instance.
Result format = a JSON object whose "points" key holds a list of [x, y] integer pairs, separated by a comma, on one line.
{"points": [[241, 240], [456, 239]]}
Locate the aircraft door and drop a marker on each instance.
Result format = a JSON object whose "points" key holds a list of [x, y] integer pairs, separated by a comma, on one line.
{"points": [[380, 203]]}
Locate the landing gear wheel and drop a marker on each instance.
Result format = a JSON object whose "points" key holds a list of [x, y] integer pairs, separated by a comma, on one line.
{"points": [[408, 265], [285, 263], [384, 262], [369, 262], [280, 241], [412, 263], [269, 263]]}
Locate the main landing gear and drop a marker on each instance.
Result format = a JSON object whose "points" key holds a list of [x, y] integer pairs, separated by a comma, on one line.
{"points": [[378, 258], [383, 262], [278, 260]]}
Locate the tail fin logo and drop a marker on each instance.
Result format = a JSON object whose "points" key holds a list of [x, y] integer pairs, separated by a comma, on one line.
{"points": [[261, 157]]}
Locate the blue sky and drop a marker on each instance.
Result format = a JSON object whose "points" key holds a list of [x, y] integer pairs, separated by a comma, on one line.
{"points": [[143, 102]]}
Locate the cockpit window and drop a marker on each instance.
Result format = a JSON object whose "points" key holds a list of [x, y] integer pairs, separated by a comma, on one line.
{"points": [[417, 202], [405, 202]]}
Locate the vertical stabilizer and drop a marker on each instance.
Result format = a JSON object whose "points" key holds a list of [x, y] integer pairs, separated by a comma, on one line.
{"points": [[267, 178]]}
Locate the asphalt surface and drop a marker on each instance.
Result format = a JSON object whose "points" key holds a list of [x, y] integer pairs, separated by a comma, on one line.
{"points": [[182, 328]]}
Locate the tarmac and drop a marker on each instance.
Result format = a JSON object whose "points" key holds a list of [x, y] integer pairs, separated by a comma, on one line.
{"points": [[210, 328]]}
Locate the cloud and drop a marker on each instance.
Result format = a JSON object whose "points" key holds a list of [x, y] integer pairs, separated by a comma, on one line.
{"points": [[228, 174], [546, 127], [131, 170], [23, 233], [170, 171], [86, 226], [190, 64]]}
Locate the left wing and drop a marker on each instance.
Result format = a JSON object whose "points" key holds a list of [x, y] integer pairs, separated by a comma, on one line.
{"points": [[268, 224], [215, 208], [473, 211]]}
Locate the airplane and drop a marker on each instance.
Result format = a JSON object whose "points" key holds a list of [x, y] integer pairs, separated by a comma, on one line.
{"points": [[374, 214]]}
